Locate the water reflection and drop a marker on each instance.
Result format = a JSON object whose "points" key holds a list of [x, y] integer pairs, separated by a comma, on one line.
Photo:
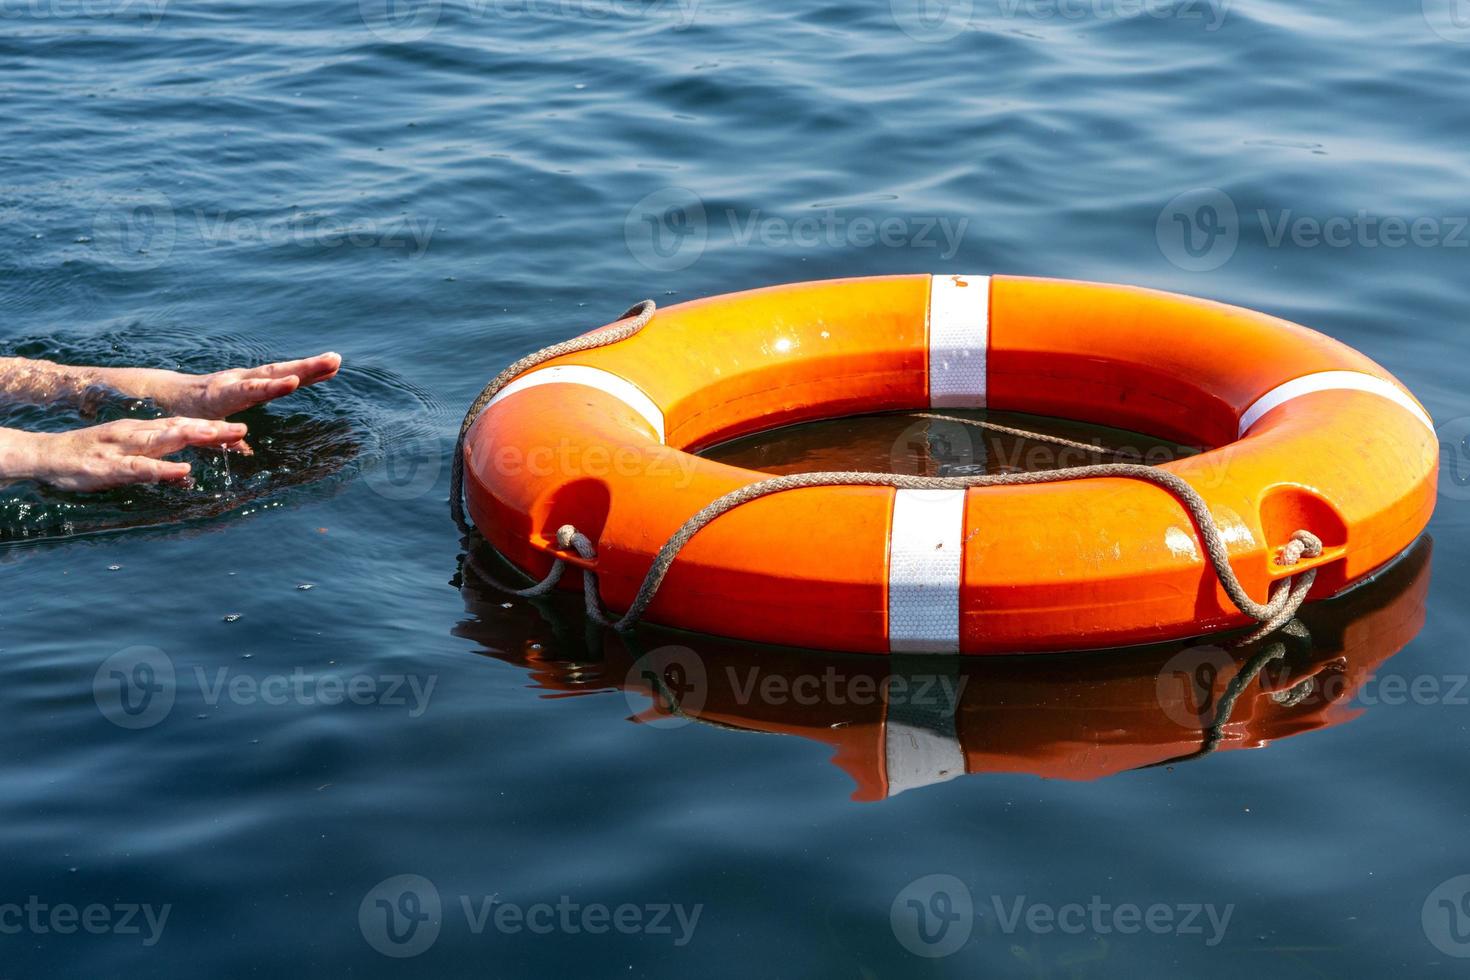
{"points": [[900, 723]]}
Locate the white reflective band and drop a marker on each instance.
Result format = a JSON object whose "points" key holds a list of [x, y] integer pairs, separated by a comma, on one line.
{"points": [[1331, 381], [959, 335], [919, 756], [590, 377], [925, 562]]}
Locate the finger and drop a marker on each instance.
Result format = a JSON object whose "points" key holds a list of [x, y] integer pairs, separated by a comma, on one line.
{"points": [[171, 435], [137, 469], [147, 470], [256, 390], [309, 370], [242, 447]]}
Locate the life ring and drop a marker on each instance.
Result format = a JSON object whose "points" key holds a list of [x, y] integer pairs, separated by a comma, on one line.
{"points": [[1302, 432]]}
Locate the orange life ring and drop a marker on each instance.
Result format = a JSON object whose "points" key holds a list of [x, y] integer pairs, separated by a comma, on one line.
{"points": [[1303, 432]]}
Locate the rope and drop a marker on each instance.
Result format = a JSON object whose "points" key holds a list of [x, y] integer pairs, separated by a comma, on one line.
{"points": [[634, 320], [1285, 598]]}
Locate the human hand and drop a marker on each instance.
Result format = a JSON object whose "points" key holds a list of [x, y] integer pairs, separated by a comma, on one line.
{"points": [[115, 454], [222, 393]]}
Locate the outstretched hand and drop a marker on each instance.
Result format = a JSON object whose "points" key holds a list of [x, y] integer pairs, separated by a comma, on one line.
{"points": [[223, 393], [132, 450], [100, 457]]}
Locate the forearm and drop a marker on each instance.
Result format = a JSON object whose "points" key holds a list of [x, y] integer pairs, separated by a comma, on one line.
{"points": [[19, 458], [37, 382]]}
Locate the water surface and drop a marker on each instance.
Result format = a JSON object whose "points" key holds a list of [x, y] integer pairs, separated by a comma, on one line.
{"points": [[436, 188]]}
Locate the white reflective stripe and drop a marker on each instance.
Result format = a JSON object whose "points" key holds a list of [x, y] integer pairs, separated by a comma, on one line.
{"points": [[959, 336], [919, 756], [924, 567], [1331, 381], [590, 377]]}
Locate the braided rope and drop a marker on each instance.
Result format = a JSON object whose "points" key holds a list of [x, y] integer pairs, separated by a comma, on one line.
{"points": [[634, 320], [1285, 598]]}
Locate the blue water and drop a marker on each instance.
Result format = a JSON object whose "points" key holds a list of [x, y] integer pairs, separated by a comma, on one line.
{"points": [[433, 189]]}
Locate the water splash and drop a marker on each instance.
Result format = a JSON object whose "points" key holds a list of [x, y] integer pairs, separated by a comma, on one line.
{"points": [[305, 445]]}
